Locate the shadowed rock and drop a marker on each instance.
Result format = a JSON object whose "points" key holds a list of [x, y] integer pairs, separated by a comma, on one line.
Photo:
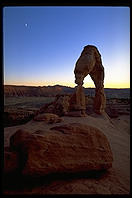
{"points": [[10, 161], [60, 106], [68, 148], [48, 118]]}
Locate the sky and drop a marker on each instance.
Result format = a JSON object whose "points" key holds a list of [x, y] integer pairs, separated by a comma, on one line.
{"points": [[42, 44]]}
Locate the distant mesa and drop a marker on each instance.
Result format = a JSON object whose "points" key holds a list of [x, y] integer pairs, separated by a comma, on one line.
{"points": [[44, 91]]}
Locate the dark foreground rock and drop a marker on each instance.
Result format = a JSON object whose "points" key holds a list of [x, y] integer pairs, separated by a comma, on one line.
{"points": [[15, 116], [68, 148], [10, 161]]}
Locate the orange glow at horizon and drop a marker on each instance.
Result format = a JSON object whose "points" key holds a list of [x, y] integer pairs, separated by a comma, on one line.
{"points": [[70, 84]]}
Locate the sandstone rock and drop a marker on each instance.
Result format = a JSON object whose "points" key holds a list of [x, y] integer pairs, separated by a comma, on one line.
{"points": [[99, 101], [63, 103], [16, 116], [75, 114], [60, 106], [90, 63], [71, 105], [67, 148], [48, 118], [18, 138], [10, 161], [112, 113], [77, 102]]}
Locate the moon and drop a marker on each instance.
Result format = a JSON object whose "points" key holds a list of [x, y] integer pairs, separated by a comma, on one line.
{"points": [[26, 24]]}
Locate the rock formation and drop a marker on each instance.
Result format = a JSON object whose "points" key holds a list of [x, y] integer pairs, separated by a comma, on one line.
{"points": [[10, 161], [68, 148], [90, 63], [77, 104], [67, 105], [48, 118], [60, 106]]}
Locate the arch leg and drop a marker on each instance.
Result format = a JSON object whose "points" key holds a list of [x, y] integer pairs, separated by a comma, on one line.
{"points": [[100, 99]]}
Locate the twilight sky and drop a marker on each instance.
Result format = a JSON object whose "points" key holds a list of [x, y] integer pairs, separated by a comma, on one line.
{"points": [[42, 44]]}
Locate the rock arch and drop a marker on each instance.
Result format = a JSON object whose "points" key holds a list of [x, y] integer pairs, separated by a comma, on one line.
{"points": [[90, 63]]}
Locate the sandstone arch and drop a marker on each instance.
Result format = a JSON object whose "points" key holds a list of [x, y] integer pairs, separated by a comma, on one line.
{"points": [[90, 63]]}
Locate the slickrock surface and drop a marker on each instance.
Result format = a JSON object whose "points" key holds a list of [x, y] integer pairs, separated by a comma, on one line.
{"points": [[114, 181]]}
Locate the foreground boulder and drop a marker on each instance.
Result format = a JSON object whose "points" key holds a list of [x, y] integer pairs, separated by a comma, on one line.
{"points": [[67, 148], [10, 161]]}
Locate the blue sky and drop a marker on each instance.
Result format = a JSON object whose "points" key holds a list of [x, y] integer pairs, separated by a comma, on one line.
{"points": [[42, 44]]}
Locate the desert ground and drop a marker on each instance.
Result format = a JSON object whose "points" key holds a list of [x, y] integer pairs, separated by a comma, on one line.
{"points": [[115, 180], [20, 109]]}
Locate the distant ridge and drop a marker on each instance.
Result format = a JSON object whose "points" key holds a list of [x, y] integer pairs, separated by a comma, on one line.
{"points": [[49, 91]]}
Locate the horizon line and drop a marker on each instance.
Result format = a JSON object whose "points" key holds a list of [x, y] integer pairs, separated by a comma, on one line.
{"points": [[62, 86]]}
